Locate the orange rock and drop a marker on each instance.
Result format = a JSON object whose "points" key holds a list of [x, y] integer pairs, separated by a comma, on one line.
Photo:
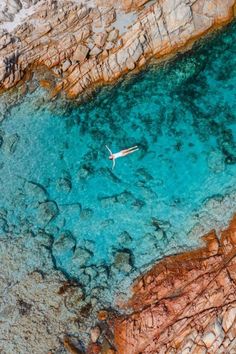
{"points": [[94, 348], [178, 303], [45, 84], [102, 315]]}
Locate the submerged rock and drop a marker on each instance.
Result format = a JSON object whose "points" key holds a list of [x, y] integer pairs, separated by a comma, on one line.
{"points": [[65, 242], [10, 143], [48, 211], [85, 171], [124, 239], [64, 184], [36, 191], [122, 261], [45, 239], [81, 256], [86, 213]]}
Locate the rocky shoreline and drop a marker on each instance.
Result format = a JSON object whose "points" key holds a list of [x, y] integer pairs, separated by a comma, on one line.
{"points": [[78, 45], [89, 43], [185, 303]]}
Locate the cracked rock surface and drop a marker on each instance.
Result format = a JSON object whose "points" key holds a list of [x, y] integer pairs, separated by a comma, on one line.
{"points": [[87, 43], [185, 303]]}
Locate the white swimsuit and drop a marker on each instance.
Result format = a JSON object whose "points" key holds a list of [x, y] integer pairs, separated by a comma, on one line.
{"points": [[117, 154]]}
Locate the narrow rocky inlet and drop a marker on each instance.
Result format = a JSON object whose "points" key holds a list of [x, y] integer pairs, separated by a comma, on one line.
{"points": [[139, 258]]}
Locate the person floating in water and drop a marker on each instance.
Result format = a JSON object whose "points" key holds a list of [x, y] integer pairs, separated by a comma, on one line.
{"points": [[122, 153]]}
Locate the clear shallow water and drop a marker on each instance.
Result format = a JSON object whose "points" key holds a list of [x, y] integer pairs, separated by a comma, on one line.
{"points": [[106, 226]]}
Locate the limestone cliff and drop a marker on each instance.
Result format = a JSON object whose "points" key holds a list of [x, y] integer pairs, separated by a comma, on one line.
{"points": [[85, 44]]}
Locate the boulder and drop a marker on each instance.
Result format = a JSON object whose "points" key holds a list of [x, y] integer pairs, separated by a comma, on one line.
{"points": [[100, 39], [122, 261], [124, 238], [65, 242], [81, 256], [130, 63], [35, 191], [84, 171], [66, 65], [95, 51], [113, 35], [80, 54], [44, 239], [48, 211], [10, 143], [64, 184]]}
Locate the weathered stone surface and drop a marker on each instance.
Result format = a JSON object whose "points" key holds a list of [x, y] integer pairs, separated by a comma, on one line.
{"points": [[80, 42], [80, 53], [185, 303], [33, 309]]}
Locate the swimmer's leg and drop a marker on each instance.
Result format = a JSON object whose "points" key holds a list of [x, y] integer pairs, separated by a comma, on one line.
{"points": [[126, 150], [130, 152], [133, 147]]}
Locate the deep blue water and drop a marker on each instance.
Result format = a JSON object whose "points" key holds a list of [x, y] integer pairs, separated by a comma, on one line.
{"points": [[56, 179]]}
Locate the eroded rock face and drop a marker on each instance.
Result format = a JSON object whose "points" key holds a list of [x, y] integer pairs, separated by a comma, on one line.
{"points": [[83, 45], [185, 303]]}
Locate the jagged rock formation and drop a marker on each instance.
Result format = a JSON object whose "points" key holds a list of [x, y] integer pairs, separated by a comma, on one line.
{"points": [[185, 303], [84, 45]]}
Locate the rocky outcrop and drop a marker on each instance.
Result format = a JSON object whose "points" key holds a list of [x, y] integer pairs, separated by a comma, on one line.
{"points": [[185, 303], [83, 45]]}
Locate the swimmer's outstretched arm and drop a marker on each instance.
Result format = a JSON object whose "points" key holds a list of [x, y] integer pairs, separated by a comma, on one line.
{"points": [[108, 149]]}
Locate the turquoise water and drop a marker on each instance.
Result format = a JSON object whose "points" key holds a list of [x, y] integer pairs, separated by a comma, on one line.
{"points": [[104, 227]]}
